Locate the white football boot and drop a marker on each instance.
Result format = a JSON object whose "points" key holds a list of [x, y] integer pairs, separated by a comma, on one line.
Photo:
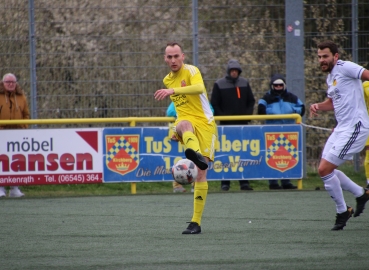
{"points": [[15, 192], [2, 192]]}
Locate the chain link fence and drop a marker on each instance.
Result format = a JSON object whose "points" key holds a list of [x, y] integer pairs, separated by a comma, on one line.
{"points": [[104, 58]]}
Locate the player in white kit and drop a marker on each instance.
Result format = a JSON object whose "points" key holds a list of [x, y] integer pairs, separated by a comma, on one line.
{"points": [[345, 97]]}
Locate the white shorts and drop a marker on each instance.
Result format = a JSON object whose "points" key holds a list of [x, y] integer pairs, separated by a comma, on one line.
{"points": [[343, 145]]}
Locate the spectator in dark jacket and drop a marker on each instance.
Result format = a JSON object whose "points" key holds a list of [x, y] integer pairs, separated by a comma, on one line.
{"points": [[232, 95], [279, 101]]}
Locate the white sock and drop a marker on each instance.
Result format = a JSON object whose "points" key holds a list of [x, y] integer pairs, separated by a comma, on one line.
{"points": [[332, 185], [348, 184]]}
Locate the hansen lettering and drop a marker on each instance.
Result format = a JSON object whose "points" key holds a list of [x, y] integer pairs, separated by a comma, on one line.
{"points": [[41, 158]]}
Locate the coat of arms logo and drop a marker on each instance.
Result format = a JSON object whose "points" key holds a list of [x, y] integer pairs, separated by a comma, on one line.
{"points": [[122, 153], [281, 150]]}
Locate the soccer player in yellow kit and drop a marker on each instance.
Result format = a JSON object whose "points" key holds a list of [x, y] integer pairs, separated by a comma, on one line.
{"points": [[366, 161], [195, 126]]}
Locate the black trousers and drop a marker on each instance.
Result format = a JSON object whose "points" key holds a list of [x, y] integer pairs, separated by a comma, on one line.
{"points": [[228, 183]]}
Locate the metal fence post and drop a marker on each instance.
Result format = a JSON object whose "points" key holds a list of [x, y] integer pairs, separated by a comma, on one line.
{"points": [[294, 22], [354, 29], [32, 51], [195, 33]]}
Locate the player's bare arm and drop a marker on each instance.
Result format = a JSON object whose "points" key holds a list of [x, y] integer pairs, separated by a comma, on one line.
{"points": [[365, 75], [163, 93], [326, 105]]}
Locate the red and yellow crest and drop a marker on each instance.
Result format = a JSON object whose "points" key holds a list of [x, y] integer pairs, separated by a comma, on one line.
{"points": [[282, 150], [183, 83], [122, 153]]}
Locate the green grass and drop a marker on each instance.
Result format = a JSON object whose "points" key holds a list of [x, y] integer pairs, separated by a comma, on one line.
{"points": [[253, 230], [311, 182], [105, 227]]}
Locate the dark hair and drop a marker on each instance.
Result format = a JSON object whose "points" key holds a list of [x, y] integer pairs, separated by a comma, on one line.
{"points": [[330, 45], [172, 44]]}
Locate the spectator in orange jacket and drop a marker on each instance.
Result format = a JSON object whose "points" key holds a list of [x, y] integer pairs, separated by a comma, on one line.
{"points": [[13, 106]]}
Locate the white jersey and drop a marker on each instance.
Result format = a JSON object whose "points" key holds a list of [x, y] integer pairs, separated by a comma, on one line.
{"points": [[346, 91]]}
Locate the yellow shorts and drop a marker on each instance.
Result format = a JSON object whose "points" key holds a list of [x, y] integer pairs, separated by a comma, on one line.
{"points": [[206, 134]]}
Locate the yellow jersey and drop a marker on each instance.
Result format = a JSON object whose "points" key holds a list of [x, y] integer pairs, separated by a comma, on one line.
{"points": [[366, 94], [190, 98]]}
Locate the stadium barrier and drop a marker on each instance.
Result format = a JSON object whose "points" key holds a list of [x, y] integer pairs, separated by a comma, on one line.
{"points": [[143, 154]]}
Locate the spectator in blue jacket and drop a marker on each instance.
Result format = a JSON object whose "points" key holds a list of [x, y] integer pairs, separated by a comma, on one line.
{"points": [[279, 101]]}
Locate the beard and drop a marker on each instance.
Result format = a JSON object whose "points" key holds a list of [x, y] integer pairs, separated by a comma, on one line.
{"points": [[327, 66]]}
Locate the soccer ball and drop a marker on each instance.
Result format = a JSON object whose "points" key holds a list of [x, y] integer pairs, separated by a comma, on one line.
{"points": [[184, 172]]}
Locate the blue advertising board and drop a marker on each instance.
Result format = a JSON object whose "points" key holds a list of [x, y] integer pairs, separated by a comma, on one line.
{"points": [[136, 154]]}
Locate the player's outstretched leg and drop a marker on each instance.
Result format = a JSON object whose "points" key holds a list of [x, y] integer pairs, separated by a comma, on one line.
{"points": [[342, 218], [361, 201], [197, 158], [193, 228]]}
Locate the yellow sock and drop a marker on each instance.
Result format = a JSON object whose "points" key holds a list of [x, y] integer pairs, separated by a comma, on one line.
{"points": [[366, 164], [191, 141], [201, 191]]}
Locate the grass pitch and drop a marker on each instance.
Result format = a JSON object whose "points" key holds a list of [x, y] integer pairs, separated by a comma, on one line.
{"points": [[251, 230]]}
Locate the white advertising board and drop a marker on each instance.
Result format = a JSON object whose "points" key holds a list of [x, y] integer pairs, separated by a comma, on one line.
{"points": [[50, 156]]}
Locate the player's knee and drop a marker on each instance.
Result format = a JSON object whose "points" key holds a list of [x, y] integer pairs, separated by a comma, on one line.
{"points": [[184, 126], [324, 170], [321, 171]]}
